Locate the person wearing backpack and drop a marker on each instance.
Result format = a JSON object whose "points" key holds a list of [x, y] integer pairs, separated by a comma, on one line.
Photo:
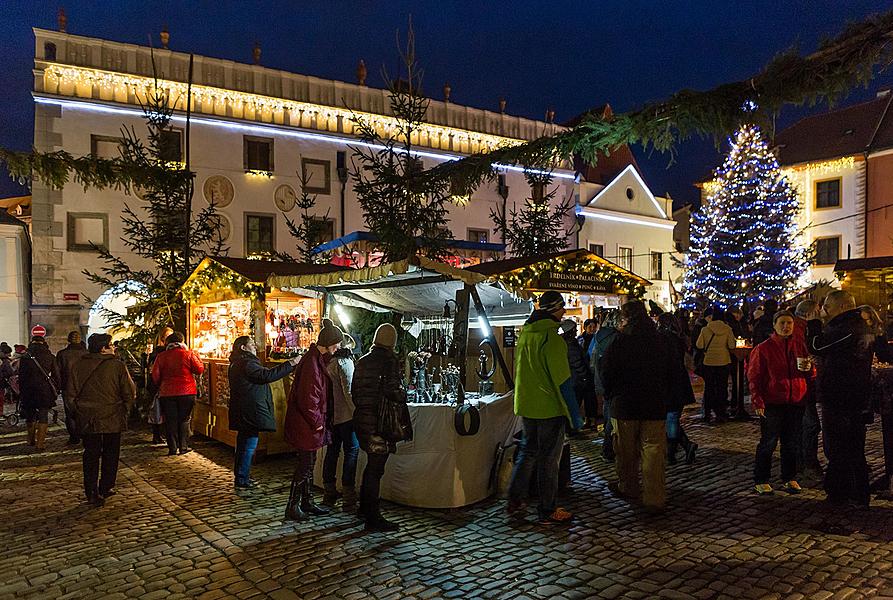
{"points": [[102, 394], [39, 387], [717, 341]]}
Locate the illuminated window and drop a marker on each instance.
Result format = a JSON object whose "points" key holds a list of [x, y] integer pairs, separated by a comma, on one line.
{"points": [[259, 234], [258, 153], [827, 250], [625, 257], [657, 265], [827, 193]]}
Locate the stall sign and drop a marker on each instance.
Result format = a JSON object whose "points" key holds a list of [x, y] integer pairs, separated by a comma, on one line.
{"points": [[71, 297], [508, 337], [574, 282]]}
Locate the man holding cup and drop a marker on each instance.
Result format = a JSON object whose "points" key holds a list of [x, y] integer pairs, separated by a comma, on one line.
{"points": [[778, 371]]}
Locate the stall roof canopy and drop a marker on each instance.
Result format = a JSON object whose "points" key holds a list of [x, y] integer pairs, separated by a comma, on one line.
{"points": [[871, 268], [258, 271], [367, 236], [416, 286]]}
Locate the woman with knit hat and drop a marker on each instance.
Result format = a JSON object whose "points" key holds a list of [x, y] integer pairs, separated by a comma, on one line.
{"points": [[376, 376], [308, 419]]}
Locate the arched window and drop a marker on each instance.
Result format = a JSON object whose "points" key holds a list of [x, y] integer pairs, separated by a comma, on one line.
{"points": [[109, 313]]}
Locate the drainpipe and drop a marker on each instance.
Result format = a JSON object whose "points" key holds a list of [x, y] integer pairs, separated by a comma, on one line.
{"points": [[342, 177]]}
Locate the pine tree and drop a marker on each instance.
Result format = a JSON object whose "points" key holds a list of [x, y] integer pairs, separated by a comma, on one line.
{"points": [[744, 240], [159, 229], [538, 227], [307, 229], [404, 208]]}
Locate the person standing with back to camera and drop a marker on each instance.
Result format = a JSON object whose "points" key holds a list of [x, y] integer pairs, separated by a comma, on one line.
{"points": [[174, 373]]}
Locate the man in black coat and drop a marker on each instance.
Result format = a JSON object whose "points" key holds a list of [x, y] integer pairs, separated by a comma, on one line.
{"points": [[251, 403], [581, 375], [39, 385], [764, 326], [845, 348], [65, 359]]}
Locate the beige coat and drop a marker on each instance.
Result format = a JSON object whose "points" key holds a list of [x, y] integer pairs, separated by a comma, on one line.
{"points": [[720, 339]]}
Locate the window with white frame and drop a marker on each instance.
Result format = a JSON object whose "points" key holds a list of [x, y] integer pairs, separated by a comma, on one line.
{"points": [[657, 265], [625, 257]]}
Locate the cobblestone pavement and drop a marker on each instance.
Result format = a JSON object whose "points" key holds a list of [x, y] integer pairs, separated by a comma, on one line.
{"points": [[176, 529]]}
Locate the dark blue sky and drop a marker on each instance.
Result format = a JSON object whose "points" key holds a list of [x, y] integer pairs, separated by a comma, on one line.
{"points": [[568, 55]]}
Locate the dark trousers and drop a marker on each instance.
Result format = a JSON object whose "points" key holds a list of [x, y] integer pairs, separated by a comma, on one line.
{"points": [[306, 462], [716, 390], [177, 415], [846, 477], [343, 436], [608, 443], [809, 438], [779, 422], [371, 489], [101, 452], [70, 424], [541, 449]]}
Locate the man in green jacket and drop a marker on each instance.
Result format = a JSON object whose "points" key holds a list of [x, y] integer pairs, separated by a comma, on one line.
{"points": [[544, 399]]}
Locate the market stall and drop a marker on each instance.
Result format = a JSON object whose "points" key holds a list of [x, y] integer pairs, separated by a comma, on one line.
{"points": [[228, 298], [457, 429]]}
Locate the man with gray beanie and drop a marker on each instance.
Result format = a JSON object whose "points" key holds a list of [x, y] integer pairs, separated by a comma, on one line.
{"points": [[545, 400]]}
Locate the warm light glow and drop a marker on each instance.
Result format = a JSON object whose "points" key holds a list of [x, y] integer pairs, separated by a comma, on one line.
{"points": [[827, 166]]}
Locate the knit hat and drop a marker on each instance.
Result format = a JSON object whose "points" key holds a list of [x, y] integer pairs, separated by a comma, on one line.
{"points": [[551, 301], [568, 326], [330, 334], [385, 336]]}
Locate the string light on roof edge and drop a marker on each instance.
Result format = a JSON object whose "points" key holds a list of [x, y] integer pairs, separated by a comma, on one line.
{"points": [[744, 241]]}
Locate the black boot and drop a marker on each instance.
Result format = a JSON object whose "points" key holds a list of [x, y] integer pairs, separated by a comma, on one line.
{"points": [[672, 448], [307, 504], [688, 446], [376, 522], [293, 510]]}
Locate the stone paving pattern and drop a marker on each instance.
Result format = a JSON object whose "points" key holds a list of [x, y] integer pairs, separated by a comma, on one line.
{"points": [[177, 529]]}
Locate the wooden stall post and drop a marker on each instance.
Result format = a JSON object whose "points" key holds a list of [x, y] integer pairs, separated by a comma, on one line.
{"points": [[496, 350]]}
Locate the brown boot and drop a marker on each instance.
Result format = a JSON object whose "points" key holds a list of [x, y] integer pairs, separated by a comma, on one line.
{"points": [[40, 437], [330, 495], [32, 431]]}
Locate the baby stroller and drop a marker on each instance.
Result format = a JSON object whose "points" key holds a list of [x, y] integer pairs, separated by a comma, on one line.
{"points": [[10, 391]]}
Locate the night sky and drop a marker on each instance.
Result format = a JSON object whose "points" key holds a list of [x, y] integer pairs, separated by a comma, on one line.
{"points": [[568, 55]]}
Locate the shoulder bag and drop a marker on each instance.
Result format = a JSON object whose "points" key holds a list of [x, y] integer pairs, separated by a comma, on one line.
{"points": [[393, 417], [699, 358]]}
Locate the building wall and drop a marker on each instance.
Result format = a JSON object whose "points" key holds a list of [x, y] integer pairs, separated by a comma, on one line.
{"points": [[880, 194], [14, 258], [846, 222]]}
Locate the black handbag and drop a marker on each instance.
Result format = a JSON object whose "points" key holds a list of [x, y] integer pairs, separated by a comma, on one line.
{"points": [[699, 358], [394, 424]]}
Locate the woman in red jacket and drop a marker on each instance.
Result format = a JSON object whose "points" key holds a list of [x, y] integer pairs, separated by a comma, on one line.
{"points": [[308, 419], [174, 374], [777, 370]]}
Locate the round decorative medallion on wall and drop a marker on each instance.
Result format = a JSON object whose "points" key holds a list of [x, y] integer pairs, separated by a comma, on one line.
{"points": [[285, 197], [139, 192], [219, 190], [226, 227], [630, 194]]}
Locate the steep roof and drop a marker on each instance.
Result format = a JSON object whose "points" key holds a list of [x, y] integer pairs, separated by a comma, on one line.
{"points": [[843, 132]]}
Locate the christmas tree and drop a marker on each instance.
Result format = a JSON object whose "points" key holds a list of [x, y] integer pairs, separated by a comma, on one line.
{"points": [[744, 240]]}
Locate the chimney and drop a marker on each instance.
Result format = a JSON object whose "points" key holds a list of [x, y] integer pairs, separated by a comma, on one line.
{"points": [[550, 116], [256, 53], [62, 20], [446, 92], [502, 105], [361, 72], [165, 36]]}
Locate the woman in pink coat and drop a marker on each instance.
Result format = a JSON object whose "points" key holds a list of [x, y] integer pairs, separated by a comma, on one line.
{"points": [[308, 419]]}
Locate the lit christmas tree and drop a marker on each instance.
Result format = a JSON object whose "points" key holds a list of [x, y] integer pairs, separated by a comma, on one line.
{"points": [[744, 240]]}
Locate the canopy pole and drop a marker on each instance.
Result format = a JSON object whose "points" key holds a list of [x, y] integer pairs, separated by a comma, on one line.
{"points": [[482, 312], [459, 348]]}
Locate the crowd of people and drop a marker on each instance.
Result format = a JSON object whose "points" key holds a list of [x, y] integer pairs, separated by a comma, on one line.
{"points": [[628, 368]]}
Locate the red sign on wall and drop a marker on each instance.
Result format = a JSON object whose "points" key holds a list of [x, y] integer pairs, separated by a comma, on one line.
{"points": [[69, 297], [38, 330]]}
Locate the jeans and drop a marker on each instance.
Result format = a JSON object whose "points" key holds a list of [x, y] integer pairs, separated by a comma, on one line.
{"points": [[846, 477], [673, 427], [716, 390], [371, 488], [344, 436], [177, 415], [104, 449], [541, 448], [642, 443], [246, 444], [608, 443], [809, 439], [785, 422]]}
